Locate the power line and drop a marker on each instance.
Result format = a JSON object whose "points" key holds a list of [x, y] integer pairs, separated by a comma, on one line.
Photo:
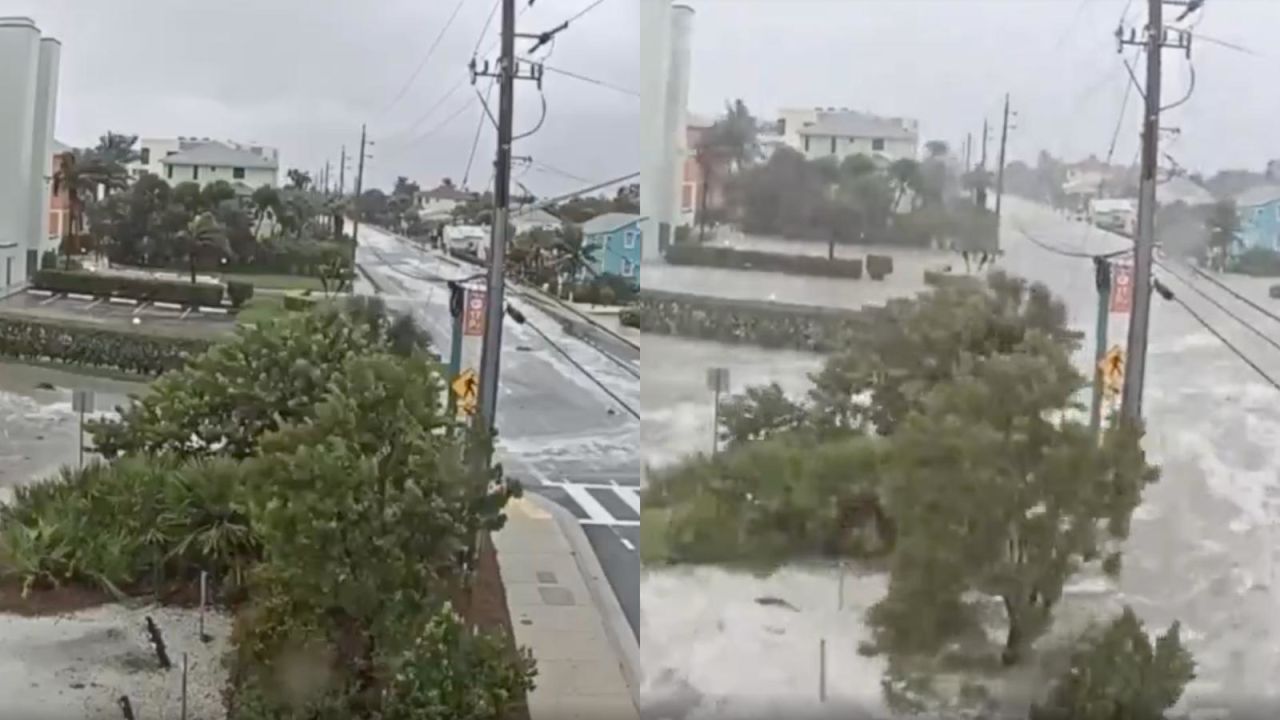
{"points": [[1275, 384], [1221, 307], [543, 167], [1237, 295], [630, 410], [591, 80], [488, 21], [475, 142], [440, 125], [430, 51]]}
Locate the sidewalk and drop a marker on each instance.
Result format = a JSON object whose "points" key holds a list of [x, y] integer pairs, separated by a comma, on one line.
{"points": [[563, 610]]}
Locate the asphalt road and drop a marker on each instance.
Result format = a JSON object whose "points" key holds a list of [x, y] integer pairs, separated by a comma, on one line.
{"points": [[560, 433]]}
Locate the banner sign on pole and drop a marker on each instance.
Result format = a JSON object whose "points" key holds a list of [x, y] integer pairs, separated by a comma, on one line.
{"points": [[473, 319], [1121, 288]]}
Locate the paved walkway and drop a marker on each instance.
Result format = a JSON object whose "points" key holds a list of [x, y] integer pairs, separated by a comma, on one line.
{"points": [[563, 610]]}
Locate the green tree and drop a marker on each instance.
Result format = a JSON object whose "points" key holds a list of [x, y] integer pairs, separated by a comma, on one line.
{"points": [[203, 237], [266, 204], [298, 179], [906, 177], [81, 174], [1116, 672], [1224, 232], [758, 413]]}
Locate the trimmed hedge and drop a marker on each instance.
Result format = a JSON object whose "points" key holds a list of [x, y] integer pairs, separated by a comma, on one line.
{"points": [[1274, 292], [239, 293], [136, 288], [703, 255], [136, 353], [298, 301], [879, 266]]}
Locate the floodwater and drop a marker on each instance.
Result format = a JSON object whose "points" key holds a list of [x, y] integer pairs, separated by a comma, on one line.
{"points": [[1203, 547], [38, 429]]}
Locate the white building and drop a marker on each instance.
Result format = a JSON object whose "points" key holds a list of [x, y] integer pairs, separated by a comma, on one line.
{"points": [[438, 204], [201, 160], [536, 219], [840, 133]]}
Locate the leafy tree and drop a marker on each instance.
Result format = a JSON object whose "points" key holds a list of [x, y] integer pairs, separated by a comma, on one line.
{"points": [[1116, 672], [758, 413], [1224, 231], [906, 177], [80, 174], [298, 179], [266, 204], [224, 400]]}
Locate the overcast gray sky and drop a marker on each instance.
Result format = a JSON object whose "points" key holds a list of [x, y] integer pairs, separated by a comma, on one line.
{"points": [[949, 62], [302, 75]]}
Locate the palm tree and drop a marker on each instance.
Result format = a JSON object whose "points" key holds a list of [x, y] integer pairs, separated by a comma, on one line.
{"points": [[737, 132], [265, 199], [80, 174], [905, 174], [1224, 232], [202, 235]]}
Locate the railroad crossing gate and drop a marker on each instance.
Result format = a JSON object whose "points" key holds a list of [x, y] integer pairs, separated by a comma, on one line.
{"points": [[466, 388], [1112, 369]]}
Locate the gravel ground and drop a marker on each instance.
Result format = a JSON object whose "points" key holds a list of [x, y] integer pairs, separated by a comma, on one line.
{"points": [[78, 666]]}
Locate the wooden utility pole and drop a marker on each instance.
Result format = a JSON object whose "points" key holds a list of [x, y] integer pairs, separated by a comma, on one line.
{"points": [[1004, 143], [355, 221], [342, 172], [1154, 38], [982, 167], [968, 152]]}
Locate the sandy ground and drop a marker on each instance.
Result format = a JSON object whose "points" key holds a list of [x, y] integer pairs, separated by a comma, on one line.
{"points": [[77, 667], [1203, 547]]}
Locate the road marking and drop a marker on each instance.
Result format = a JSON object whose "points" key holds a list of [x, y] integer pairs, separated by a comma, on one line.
{"points": [[630, 497], [627, 544], [592, 507], [610, 523]]}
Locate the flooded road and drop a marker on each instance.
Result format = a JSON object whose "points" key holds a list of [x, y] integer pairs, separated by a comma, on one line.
{"points": [[1203, 548]]}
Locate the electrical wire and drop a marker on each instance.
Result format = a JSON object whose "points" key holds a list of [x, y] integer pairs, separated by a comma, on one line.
{"points": [[541, 120], [1238, 296], [1272, 381], [439, 126], [485, 104], [584, 11], [591, 80], [1191, 87], [488, 21], [590, 376], [1220, 306], [475, 142], [430, 51], [412, 127], [543, 167]]}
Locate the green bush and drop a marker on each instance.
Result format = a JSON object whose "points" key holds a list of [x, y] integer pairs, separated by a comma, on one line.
{"points": [[91, 346], [1258, 262], [1274, 292], [135, 288], [704, 255], [629, 317], [239, 292], [299, 301], [879, 266]]}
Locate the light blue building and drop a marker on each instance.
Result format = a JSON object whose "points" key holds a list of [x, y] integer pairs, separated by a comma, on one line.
{"points": [[1259, 211], [615, 238]]}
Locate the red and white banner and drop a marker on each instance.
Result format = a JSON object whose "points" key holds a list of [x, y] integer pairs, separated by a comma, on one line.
{"points": [[1121, 288], [473, 315]]}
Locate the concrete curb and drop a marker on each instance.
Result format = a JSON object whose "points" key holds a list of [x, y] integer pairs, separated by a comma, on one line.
{"points": [[377, 289], [615, 622]]}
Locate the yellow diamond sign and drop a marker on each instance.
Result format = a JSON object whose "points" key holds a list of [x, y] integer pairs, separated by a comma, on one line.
{"points": [[466, 389], [1112, 369]]}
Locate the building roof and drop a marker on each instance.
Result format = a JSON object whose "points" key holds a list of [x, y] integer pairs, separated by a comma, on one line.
{"points": [[856, 124], [608, 222], [1184, 190], [446, 192], [216, 153], [1261, 195], [57, 147], [536, 216]]}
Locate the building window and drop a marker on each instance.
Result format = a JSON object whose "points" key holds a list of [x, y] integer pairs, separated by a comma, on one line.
{"points": [[168, 171], [237, 173], [877, 144], [146, 156], [629, 240], [628, 268], [806, 143], [833, 146]]}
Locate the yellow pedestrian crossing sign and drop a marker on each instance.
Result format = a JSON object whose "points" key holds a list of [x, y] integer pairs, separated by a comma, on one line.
{"points": [[1112, 369], [466, 389]]}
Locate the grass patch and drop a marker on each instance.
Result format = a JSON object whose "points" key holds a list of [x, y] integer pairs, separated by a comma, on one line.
{"points": [[275, 282], [261, 309], [653, 536]]}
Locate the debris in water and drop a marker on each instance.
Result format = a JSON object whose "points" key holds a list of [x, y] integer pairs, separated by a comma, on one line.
{"points": [[777, 602]]}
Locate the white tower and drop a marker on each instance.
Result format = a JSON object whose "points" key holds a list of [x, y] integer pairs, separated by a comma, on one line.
{"points": [[19, 58], [678, 110], [655, 39], [41, 183]]}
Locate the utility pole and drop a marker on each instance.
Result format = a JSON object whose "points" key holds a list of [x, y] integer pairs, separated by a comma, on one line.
{"points": [[355, 222], [507, 72], [982, 166], [1154, 39], [968, 152], [342, 172], [1004, 142], [1102, 280]]}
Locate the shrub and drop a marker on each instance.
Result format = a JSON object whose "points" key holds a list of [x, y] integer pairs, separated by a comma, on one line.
{"points": [[299, 301], [629, 317], [1274, 292], [94, 346], [879, 266], [239, 292], [764, 261], [136, 288]]}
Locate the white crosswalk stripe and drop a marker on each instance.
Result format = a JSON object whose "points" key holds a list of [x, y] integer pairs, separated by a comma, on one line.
{"points": [[630, 497], [585, 495]]}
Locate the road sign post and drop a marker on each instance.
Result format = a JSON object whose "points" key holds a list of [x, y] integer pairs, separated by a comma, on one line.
{"points": [[717, 383], [456, 306], [82, 402]]}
